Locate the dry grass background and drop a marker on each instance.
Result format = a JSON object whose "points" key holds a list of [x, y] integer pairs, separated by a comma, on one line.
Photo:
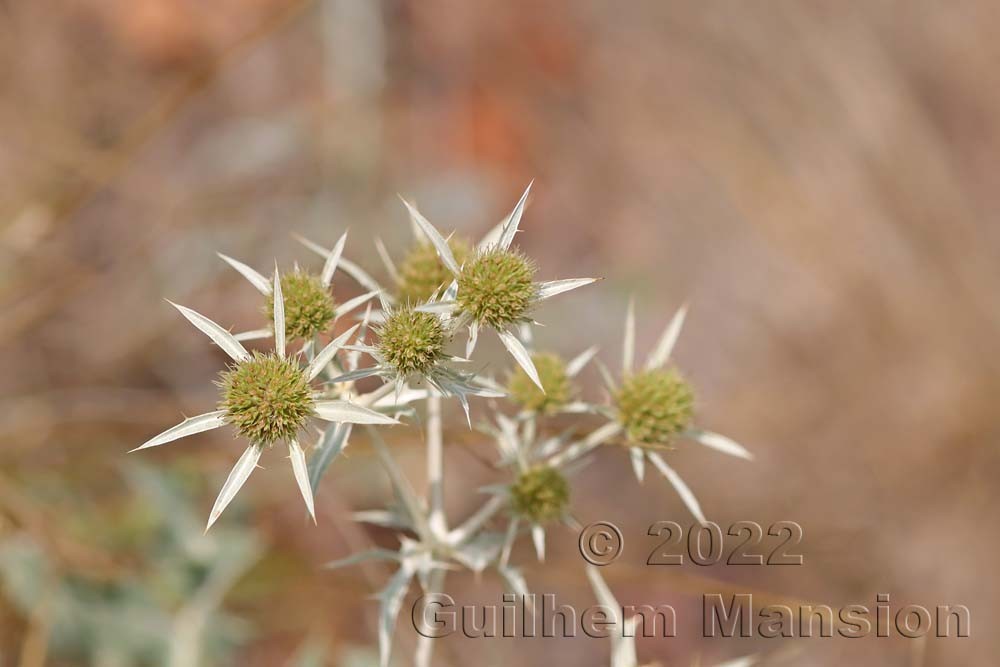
{"points": [[820, 180]]}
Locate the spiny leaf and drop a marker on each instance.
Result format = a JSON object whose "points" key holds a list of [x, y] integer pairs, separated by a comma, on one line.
{"points": [[241, 471], [219, 336], [189, 426], [682, 489], [521, 356], [513, 221], [259, 281], [344, 411], [332, 259], [720, 443], [551, 288], [434, 236], [665, 346], [330, 446], [628, 341], [298, 458], [279, 316], [326, 354]]}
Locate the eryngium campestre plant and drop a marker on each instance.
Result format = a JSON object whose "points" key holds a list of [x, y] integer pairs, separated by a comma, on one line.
{"points": [[309, 306], [654, 406], [558, 392], [266, 398], [540, 495], [495, 287], [422, 273], [411, 341], [275, 396]]}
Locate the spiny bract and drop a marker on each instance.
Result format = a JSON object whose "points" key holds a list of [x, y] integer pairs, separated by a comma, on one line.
{"points": [[540, 495], [411, 341], [309, 306], [654, 406], [422, 273], [266, 397], [495, 287], [552, 372]]}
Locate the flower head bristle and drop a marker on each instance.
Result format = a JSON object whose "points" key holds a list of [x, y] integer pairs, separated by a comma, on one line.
{"points": [[654, 406], [266, 398], [411, 341], [540, 495], [309, 306], [422, 273], [559, 389], [495, 287]]}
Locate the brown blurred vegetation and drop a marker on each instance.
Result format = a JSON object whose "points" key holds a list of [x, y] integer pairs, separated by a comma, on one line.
{"points": [[820, 180]]}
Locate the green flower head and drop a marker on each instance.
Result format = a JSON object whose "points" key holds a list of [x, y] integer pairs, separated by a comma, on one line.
{"points": [[422, 273], [654, 406], [266, 397], [411, 341], [540, 495], [552, 372], [309, 306], [495, 287]]}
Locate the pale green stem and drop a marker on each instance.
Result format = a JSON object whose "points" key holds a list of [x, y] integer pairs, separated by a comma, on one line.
{"points": [[425, 645], [435, 467]]}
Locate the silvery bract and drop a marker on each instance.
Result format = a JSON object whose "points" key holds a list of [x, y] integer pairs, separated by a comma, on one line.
{"points": [[332, 410]]}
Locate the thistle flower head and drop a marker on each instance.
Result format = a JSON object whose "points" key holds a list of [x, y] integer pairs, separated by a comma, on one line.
{"points": [[654, 406], [559, 389], [540, 495], [495, 287], [422, 273], [309, 306], [266, 397], [411, 341]]}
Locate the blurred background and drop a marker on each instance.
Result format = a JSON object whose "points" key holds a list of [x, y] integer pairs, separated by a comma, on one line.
{"points": [[820, 181]]}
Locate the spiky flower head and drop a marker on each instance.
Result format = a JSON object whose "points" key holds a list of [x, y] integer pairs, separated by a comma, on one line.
{"points": [[309, 306], [552, 372], [422, 273], [495, 287], [654, 406], [540, 495], [266, 397], [411, 341]]}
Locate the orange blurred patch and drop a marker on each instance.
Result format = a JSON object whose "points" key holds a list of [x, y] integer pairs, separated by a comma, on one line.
{"points": [[490, 130]]}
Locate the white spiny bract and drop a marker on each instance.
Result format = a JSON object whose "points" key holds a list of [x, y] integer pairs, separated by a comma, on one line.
{"points": [[447, 289], [268, 398]]}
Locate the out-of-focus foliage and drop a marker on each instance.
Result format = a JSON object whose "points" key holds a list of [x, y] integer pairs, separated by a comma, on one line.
{"points": [[163, 608]]}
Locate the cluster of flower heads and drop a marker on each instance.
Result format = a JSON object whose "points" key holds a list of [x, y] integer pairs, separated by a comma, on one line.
{"points": [[443, 287]]}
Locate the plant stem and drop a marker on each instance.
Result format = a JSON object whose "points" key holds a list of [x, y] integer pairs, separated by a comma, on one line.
{"points": [[425, 645], [435, 467]]}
